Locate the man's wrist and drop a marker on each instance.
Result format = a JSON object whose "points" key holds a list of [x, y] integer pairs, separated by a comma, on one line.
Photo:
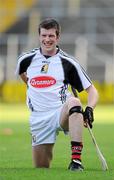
{"points": [[89, 108]]}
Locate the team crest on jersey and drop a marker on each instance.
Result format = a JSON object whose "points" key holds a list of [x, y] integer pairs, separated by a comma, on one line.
{"points": [[44, 68], [34, 138]]}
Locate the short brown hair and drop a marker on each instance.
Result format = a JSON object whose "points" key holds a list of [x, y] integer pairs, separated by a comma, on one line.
{"points": [[50, 23]]}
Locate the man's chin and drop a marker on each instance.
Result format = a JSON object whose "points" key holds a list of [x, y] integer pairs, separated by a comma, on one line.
{"points": [[48, 48]]}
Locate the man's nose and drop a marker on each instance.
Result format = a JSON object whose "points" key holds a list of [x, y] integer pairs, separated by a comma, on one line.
{"points": [[47, 38]]}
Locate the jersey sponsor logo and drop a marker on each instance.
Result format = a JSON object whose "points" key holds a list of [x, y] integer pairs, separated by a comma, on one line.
{"points": [[42, 81]]}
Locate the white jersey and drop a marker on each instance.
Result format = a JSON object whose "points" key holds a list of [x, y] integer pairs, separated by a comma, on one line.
{"points": [[49, 77]]}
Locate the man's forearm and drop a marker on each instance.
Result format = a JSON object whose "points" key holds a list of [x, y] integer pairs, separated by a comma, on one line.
{"points": [[24, 77], [92, 96]]}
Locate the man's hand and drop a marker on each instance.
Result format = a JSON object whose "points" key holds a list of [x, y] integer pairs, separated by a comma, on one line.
{"points": [[88, 116]]}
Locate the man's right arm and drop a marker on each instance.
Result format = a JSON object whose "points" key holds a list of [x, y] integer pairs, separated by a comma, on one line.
{"points": [[24, 77]]}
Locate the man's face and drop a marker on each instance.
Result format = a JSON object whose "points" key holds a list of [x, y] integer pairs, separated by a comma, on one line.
{"points": [[48, 41]]}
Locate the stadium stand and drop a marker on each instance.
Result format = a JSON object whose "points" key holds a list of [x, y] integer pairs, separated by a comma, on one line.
{"points": [[87, 32], [11, 11]]}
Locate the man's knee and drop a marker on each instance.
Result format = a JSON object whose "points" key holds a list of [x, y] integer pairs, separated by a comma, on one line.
{"points": [[75, 109], [74, 106], [42, 163], [73, 101]]}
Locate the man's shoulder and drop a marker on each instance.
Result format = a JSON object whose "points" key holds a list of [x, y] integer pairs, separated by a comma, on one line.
{"points": [[68, 57], [28, 54], [63, 53]]}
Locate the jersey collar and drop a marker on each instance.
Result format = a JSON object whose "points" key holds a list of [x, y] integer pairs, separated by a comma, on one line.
{"points": [[47, 56]]}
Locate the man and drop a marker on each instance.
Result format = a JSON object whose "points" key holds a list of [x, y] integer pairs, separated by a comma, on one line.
{"points": [[48, 71]]}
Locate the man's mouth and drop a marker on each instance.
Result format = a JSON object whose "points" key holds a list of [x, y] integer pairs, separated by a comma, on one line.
{"points": [[48, 45]]}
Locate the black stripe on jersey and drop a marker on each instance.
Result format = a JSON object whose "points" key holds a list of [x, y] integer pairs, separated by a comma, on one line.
{"points": [[67, 55], [86, 74], [71, 75], [30, 52], [25, 63]]}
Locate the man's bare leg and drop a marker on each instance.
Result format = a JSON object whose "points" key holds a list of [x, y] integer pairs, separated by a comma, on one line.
{"points": [[42, 155], [72, 120]]}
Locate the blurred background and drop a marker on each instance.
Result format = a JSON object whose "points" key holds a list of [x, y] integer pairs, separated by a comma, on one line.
{"points": [[87, 33]]}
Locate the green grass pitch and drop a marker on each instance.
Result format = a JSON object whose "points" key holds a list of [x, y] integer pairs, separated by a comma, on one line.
{"points": [[15, 148]]}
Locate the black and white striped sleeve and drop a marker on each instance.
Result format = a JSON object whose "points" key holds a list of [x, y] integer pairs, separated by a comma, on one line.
{"points": [[78, 78], [23, 63], [75, 74]]}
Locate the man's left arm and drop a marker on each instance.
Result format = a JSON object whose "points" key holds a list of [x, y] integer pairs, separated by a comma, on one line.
{"points": [[92, 96], [92, 101]]}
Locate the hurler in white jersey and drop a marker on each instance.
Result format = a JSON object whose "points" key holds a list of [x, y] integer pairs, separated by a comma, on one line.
{"points": [[48, 72], [49, 77]]}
